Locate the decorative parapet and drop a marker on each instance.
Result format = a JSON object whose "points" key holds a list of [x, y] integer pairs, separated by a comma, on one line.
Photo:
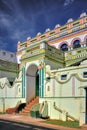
{"points": [[69, 72], [75, 56], [43, 50], [59, 31]]}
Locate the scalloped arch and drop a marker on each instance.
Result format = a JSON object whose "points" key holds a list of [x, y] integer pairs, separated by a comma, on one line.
{"points": [[64, 42], [77, 38]]}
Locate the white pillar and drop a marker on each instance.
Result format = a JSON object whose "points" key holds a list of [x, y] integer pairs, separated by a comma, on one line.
{"points": [[82, 119], [84, 45]]}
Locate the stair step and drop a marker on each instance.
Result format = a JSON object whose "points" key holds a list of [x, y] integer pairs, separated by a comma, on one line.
{"points": [[25, 114], [26, 110]]}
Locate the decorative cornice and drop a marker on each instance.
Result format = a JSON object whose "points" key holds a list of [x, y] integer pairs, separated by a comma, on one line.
{"points": [[63, 38]]}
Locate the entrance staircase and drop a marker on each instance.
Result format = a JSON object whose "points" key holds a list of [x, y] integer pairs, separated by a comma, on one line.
{"points": [[28, 107]]}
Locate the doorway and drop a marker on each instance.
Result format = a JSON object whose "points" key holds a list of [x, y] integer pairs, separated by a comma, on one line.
{"points": [[32, 82], [86, 105]]}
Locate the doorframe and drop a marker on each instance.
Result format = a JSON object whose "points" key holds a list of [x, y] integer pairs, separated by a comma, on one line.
{"points": [[86, 105]]}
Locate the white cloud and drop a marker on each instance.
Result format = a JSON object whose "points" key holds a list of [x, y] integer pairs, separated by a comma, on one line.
{"points": [[18, 34], [68, 2], [5, 20], [18, 25]]}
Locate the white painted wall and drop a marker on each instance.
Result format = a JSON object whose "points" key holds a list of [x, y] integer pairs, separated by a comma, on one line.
{"points": [[68, 95]]}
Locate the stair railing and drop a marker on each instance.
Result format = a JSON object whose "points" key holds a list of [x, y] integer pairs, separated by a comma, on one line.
{"points": [[67, 114]]}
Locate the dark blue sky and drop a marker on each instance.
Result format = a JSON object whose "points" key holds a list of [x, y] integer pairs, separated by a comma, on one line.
{"points": [[20, 19]]}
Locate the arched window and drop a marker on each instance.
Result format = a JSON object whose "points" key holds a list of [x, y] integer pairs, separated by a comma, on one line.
{"points": [[48, 88], [64, 47], [76, 44]]}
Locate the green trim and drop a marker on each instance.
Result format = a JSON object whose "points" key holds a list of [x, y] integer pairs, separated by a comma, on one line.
{"points": [[36, 56], [23, 82], [55, 61], [40, 83], [44, 54], [42, 97], [72, 59], [37, 86], [30, 59], [43, 82], [32, 47], [11, 97], [67, 97], [8, 70]]}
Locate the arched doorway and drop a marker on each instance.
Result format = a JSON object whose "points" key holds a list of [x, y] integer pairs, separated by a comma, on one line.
{"points": [[32, 82]]}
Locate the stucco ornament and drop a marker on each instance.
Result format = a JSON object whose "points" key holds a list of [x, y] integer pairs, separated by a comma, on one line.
{"points": [[41, 64], [4, 82], [84, 62], [2, 85]]}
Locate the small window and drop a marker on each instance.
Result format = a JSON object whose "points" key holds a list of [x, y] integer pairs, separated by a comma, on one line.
{"points": [[19, 90], [76, 23], [63, 77], [76, 44], [33, 40], [26, 45], [79, 51], [70, 53], [64, 47], [52, 33], [63, 28], [84, 74], [49, 49], [4, 53], [11, 55], [48, 88], [43, 36], [48, 78]]}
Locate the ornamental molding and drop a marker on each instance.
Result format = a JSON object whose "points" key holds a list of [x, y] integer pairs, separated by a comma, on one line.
{"points": [[69, 76], [57, 77], [4, 82]]}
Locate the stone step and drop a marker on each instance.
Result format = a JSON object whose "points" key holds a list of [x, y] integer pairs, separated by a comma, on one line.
{"points": [[28, 107], [26, 110], [25, 114]]}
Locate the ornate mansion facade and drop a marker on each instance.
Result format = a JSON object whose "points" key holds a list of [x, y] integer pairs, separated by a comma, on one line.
{"points": [[53, 67]]}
